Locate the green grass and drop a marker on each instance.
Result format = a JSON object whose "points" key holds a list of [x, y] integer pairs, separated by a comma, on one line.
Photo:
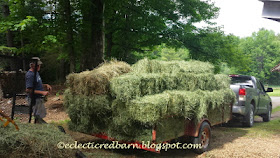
{"points": [[60, 123], [275, 93], [268, 129], [260, 129], [276, 109], [272, 126]]}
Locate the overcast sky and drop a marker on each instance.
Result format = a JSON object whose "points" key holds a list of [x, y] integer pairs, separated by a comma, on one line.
{"points": [[243, 17]]}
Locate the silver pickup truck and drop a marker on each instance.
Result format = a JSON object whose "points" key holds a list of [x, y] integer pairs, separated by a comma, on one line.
{"points": [[251, 99]]}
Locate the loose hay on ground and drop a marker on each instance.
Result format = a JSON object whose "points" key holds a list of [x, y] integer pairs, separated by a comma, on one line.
{"points": [[33, 141]]}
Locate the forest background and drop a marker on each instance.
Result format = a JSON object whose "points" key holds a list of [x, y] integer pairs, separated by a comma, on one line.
{"points": [[76, 35]]}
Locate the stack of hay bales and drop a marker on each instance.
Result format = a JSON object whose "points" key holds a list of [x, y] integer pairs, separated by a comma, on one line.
{"points": [[157, 94], [87, 98], [157, 90]]}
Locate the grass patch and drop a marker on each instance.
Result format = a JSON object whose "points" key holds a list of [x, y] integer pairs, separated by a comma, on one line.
{"points": [[276, 109], [262, 129], [265, 129], [60, 123]]}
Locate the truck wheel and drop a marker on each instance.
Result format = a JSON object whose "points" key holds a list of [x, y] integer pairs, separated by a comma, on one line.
{"points": [[267, 116], [203, 138], [249, 117]]}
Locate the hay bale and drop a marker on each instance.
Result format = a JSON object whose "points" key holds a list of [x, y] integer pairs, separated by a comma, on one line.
{"points": [[134, 120], [33, 141], [191, 105], [88, 114], [124, 127], [96, 82], [158, 66], [131, 85], [223, 81], [170, 128]]}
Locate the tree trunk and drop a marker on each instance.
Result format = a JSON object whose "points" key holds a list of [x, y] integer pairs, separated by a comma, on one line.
{"points": [[62, 71], [93, 53], [109, 46], [70, 34], [9, 35]]}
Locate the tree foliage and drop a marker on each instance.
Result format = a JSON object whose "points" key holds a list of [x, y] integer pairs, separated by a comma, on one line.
{"points": [[214, 46], [263, 48], [75, 35]]}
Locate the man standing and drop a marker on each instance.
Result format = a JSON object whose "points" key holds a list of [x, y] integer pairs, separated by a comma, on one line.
{"points": [[39, 110]]}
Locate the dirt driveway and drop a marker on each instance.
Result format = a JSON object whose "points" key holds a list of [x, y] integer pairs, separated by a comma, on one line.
{"points": [[226, 141], [275, 101]]}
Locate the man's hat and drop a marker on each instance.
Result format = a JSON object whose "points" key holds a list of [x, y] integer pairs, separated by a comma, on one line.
{"points": [[34, 59]]}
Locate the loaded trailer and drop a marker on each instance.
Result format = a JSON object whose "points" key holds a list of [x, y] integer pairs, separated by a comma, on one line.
{"points": [[150, 101], [197, 133]]}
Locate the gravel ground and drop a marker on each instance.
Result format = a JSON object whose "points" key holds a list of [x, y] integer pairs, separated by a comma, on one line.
{"points": [[226, 146], [223, 144]]}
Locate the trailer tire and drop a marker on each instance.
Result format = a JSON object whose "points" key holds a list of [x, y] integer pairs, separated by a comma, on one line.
{"points": [[203, 138], [267, 116], [249, 117]]}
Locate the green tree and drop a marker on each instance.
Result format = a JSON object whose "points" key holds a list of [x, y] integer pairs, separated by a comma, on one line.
{"points": [[214, 46], [166, 53], [140, 25], [263, 48], [77, 34]]}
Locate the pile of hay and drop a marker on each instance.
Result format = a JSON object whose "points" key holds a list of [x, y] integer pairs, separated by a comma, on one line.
{"points": [[33, 141], [155, 93], [87, 98]]}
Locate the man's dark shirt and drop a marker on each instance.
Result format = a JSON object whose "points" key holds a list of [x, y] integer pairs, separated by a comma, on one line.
{"points": [[29, 77]]}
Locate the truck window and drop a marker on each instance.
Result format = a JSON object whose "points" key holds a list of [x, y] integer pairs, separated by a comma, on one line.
{"points": [[260, 86], [242, 81]]}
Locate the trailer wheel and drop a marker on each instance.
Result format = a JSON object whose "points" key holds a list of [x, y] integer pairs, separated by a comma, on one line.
{"points": [[203, 138], [249, 117]]}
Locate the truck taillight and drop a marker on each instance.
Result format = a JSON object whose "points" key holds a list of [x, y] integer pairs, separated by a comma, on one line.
{"points": [[242, 91], [242, 94]]}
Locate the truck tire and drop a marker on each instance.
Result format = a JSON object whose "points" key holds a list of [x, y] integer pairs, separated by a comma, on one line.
{"points": [[267, 116], [203, 138], [249, 117]]}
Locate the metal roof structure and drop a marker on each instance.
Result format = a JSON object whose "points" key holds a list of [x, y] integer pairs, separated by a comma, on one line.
{"points": [[276, 68], [271, 9]]}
